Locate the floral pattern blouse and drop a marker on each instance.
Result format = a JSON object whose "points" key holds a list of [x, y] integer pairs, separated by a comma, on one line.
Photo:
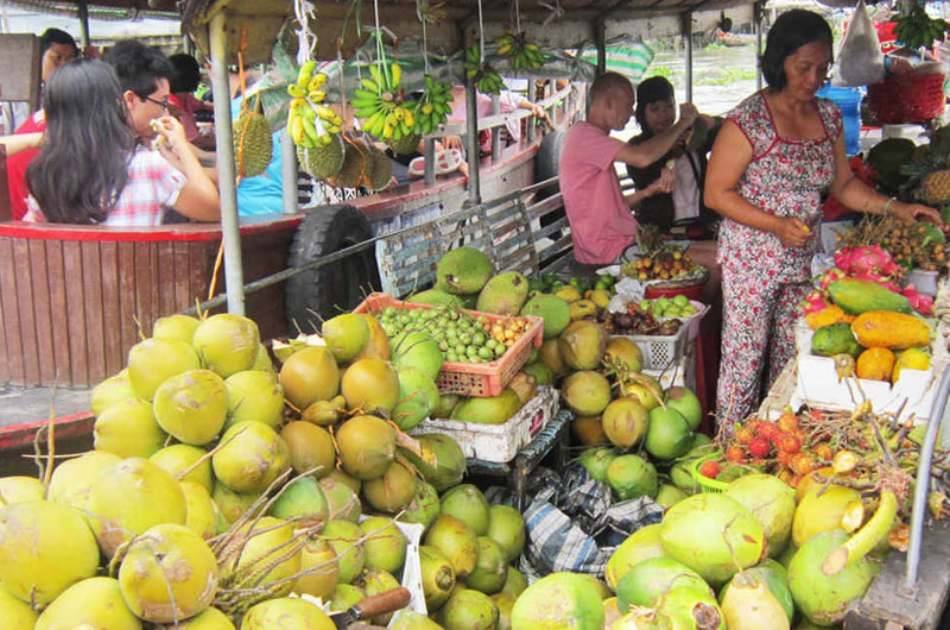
{"points": [[786, 178]]}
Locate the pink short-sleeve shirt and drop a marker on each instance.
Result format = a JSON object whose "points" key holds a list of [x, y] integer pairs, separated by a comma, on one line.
{"points": [[602, 225]]}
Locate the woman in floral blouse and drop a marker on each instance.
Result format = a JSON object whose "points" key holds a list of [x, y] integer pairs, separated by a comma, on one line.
{"points": [[774, 156]]}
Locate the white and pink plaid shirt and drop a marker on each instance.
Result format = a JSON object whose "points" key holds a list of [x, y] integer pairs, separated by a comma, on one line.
{"points": [[152, 188]]}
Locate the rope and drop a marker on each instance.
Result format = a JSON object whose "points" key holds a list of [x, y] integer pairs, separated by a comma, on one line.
{"points": [[425, 43], [304, 10], [380, 50]]}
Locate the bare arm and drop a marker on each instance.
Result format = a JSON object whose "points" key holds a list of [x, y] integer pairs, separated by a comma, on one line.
{"points": [[662, 184], [646, 153], [199, 198], [21, 142]]}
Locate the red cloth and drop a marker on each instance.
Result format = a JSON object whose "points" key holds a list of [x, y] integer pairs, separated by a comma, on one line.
{"points": [[17, 165], [184, 106]]}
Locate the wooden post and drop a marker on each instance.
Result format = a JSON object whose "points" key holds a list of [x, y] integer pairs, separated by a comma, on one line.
{"points": [[688, 41], [473, 148]]}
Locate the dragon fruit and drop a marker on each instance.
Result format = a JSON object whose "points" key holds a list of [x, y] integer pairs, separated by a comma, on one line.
{"points": [[867, 262], [815, 302], [923, 304], [832, 275]]}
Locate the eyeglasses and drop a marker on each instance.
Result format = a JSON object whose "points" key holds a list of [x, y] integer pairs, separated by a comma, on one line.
{"points": [[161, 103]]}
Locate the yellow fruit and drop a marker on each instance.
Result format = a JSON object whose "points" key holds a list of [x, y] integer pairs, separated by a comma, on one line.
{"points": [[582, 309], [827, 316], [911, 359], [875, 364], [600, 297], [887, 329], [568, 294]]}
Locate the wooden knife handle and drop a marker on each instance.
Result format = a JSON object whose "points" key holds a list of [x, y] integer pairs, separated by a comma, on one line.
{"points": [[384, 602]]}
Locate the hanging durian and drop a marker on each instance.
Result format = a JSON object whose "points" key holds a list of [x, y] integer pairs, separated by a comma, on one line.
{"points": [[322, 162], [253, 145]]}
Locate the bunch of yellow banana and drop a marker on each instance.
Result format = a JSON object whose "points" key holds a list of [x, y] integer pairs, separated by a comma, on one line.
{"points": [[311, 123], [382, 106], [482, 74], [434, 107], [522, 53]]}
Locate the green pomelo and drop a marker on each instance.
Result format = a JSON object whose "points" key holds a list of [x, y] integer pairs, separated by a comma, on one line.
{"points": [[73, 479], [713, 535], [515, 582], [130, 498], [467, 503], [192, 406], [424, 507], [434, 297], [266, 543], [371, 386], [110, 391], [378, 345], [555, 312], [168, 573], [262, 362], [346, 335], [418, 398], [308, 376], [227, 343], [438, 577], [375, 582], [683, 400], [631, 477], [488, 410], [506, 527], [647, 581], [468, 609], [201, 514], [231, 504], [542, 374], [345, 597], [93, 603], [692, 606], [821, 510], [20, 490], [175, 328], [445, 406], [210, 619], [417, 350], [775, 578], [255, 395], [503, 294], [491, 569], [449, 460], [287, 613], [342, 501], [582, 345], [345, 537], [303, 501], [771, 501], [463, 271], [407, 619], [669, 495], [178, 458], [551, 357], [318, 567], [560, 600], [16, 614], [587, 393], [624, 353], [366, 446], [625, 422], [251, 456], [153, 361], [669, 435], [311, 448], [393, 491], [44, 549], [385, 545], [456, 541], [596, 461], [639, 546]]}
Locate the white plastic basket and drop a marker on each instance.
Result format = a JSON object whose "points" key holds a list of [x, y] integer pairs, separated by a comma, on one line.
{"points": [[660, 352], [498, 443]]}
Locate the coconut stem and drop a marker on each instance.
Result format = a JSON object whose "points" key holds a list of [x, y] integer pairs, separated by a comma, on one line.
{"points": [[198, 462], [866, 538]]}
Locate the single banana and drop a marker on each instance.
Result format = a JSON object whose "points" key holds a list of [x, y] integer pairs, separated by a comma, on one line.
{"points": [[396, 75], [306, 70]]}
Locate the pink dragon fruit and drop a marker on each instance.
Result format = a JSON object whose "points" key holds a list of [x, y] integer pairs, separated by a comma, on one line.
{"points": [[868, 261], [870, 276], [814, 302], [832, 275], [923, 304]]}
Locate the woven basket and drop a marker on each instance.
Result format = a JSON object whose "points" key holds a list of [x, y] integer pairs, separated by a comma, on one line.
{"points": [[907, 98]]}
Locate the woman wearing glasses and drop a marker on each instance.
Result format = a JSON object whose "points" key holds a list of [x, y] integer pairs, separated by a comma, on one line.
{"points": [[95, 168]]}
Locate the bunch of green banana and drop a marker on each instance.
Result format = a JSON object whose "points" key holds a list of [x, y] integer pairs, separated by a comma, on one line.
{"points": [[482, 74], [522, 53], [381, 104], [918, 29], [311, 124], [434, 107]]}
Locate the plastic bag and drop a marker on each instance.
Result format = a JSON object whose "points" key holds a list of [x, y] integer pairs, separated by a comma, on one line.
{"points": [[860, 60]]}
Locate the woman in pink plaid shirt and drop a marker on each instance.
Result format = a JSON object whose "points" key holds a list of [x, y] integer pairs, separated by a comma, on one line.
{"points": [[94, 170]]}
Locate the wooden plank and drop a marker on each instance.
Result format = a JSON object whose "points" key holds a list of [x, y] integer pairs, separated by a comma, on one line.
{"points": [[144, 306], [95, 329], [128, 305], [199, 274], [43, 314], [56, 278], [76, 307], [166, 279], [24, 289], [111, 313], [153, 287], [11, 319], [183, 297]]}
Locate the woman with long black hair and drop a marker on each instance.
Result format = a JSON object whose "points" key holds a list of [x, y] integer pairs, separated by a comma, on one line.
{"points": [[94, 170]]}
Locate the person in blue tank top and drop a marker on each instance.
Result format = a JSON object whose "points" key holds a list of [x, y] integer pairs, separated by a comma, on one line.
{"points": [[261, 195]]}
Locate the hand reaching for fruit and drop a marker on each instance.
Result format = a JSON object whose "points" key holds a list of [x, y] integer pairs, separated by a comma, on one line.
{"points": [[791, 231]]}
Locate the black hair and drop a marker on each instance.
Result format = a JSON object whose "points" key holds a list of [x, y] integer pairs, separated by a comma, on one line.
{"points": [[83, 165], [607, 83], [792, 30], [650, 91], [187, 73], [55, 36], [139, 67]]}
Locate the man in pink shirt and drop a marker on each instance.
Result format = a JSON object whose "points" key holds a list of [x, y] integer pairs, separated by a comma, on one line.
{"points": [[602, 224]]}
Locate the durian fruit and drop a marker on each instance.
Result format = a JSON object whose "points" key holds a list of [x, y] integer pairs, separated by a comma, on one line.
{"points": [[322, 162], [406, 145], [380, 169], [253, 145], [935, 187], [355, 169]]}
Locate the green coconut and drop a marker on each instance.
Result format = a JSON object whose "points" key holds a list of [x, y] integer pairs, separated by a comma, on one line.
{"points": [[407, 619], [201, 514], [442, 463], [231, 504], [394, 490], [669, 435], [45, 548], [639, 546], [262, 362], [467, 503], [370, 385], [265, 543], [596, 461], [456, 541], [318, 568], [438, 577], [366, 446], [16, 613], [73, 479], [342, 501], [192, 406], [375, 582], [178, 458], [631, 477], [292, 614], [346, 335], [168, 573], [255, 395], [775, 577], [110, 391], [344, 537], [770, 500], [506, 527], [311, 448], [302, 500], [424, 507], [251, 456], [20, 489], [417, 350], [385, 545], [175, 328], [587, 393], [468, 609], [93, 603], [310, 375], [153, 361], [345, 597], [491, 568], [227, 343], [515, 582], [625, 421], [210, 619], [749, 604], [692, 606], [555, 312], [560, 600], [130, 498], [418, 398], [669, 495], [647, 581]]}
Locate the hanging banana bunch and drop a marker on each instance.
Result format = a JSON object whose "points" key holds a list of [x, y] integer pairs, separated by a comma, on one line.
{"points": [[381, 104], [311, 123], [524, 55], [486, 79], [434, 107]]}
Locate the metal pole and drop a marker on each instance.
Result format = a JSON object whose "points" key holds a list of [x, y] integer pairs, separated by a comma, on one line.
{"points": [[922, 485], [688, 37], [231, 235], [496, 131], [532, 125], [757, 9], [473, 149], [429, 157], [288, 172], [600, 37], [84, 24]]}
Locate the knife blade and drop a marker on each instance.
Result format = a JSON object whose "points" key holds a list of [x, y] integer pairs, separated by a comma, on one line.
{"points": [[389, 601]]}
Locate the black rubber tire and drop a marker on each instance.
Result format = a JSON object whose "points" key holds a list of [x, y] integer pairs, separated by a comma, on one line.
{"points": [[548, 160], [339, 286]]}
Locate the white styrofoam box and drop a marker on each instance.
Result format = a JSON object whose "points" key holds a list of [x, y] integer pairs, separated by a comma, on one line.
{"points": [[498, 443], [683, 375], [818, 385], [924, 281], [803, 335]]}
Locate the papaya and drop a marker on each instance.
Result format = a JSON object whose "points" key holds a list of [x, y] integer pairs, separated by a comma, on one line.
{"points": [[875, 364], [860, 296], [834, 339], [886, 329]]}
